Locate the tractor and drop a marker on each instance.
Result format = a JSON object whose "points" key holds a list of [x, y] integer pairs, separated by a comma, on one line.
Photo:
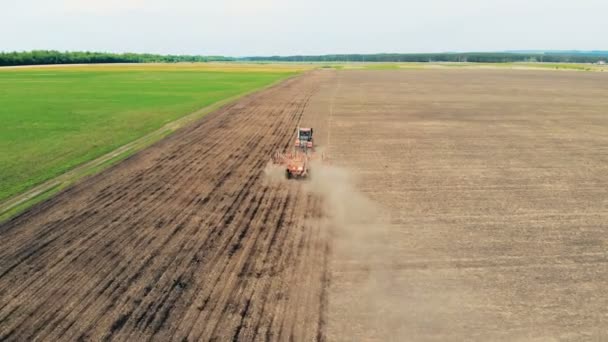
{"points": [[297, 162], [304, 138]]}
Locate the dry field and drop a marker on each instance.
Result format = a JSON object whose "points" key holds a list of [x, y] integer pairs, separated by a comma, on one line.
{"points": [[458, 205], [491, 190]]}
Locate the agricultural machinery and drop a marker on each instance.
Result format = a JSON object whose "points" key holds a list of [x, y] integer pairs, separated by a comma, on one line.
{"points": [[297, 162], [304, 138]]}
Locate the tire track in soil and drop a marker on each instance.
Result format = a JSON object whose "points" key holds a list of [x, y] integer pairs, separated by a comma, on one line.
{"points": [[184, 240], [171, 302], [223, 271], [267, 212]]}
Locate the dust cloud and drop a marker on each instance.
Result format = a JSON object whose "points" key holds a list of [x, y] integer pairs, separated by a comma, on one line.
{"points": [[369, 296], [359, 233], [351, 217], [274, 173]]}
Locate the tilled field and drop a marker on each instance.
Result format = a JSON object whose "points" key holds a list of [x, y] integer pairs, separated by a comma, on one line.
{"points": [[184, 241], [457, 205], [492, 195]]}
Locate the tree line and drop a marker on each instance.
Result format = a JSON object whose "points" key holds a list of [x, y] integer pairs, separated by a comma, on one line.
{"points": [[57, 57], [39, 57], [475, 57]]}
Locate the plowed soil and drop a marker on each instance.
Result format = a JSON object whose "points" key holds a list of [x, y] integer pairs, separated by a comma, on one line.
{"points": [[184, 241], [457, 205]]}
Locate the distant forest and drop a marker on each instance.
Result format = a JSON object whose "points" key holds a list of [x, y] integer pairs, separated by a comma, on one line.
{"points": [[57, 57], [475, 57]]}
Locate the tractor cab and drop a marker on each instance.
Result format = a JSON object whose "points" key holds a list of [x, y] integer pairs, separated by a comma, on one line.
{"points": [[304, 138]]}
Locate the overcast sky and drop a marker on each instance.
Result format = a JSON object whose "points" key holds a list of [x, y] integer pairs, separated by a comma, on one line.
{"points": [[288, 27]]}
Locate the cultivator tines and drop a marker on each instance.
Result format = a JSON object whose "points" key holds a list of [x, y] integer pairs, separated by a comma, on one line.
{"points": [[278, 158], [297, 161]]}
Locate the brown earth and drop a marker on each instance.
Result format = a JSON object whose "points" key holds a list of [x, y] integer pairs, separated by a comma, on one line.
{"points": [[184, 241], [491, 190], [458, 205]]}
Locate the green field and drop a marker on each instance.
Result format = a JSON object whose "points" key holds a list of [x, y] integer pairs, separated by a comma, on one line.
{"points": [[54, 119]]}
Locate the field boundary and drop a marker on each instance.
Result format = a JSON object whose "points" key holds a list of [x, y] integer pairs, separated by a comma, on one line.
{"points": [[396, 66], [17, 204]]}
